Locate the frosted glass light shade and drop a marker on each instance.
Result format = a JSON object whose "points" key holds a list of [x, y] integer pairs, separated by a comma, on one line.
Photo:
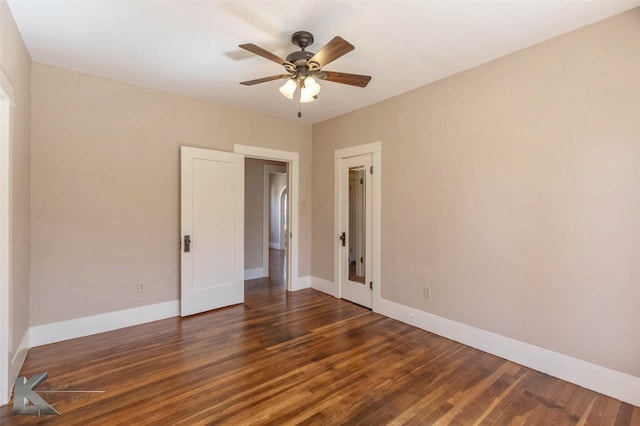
{"points": [[305, 99], [309, 91], [311, 86], [289, 88]]}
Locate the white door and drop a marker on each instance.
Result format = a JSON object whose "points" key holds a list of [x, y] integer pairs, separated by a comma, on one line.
{"points": [[356, 224], [212, 230]]}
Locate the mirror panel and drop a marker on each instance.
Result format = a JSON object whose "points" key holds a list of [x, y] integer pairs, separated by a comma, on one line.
{"points": [[357, 230]]}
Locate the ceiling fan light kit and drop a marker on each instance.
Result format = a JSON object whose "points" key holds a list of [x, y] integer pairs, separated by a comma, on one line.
{"points": [[303, 68]]}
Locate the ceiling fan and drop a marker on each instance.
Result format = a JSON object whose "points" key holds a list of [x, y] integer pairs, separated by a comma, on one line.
{"points": [[304, 67]]}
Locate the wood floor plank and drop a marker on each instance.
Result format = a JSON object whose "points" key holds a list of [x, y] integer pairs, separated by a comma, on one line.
{"points": [[635, 417], [298, 358], [515, 381]]}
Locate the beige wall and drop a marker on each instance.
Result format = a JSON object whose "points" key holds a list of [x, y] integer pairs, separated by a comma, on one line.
{"points": [[105, 199], [16, 63], [512, 189]]}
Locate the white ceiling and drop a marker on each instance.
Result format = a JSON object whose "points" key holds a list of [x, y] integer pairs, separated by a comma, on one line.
{"points": [[191, 47]]}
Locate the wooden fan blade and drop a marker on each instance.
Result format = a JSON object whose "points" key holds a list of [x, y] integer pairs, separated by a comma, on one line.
{"points": [[345, 78], [264, 53], [332, 51], [264, 79]]}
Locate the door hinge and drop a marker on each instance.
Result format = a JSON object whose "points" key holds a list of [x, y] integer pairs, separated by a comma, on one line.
{"points": [[371, 285], [371, 170], [361, 260], [361, 182]]}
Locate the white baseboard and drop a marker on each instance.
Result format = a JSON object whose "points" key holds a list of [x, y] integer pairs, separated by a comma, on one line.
{"points": [[301, 283], [274, 245], [324, 286], [80, 327], [21, 352], [252, 274], [624, 387]]}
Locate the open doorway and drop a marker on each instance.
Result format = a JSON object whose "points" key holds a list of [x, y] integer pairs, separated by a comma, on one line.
{"points": [[292, 161], [266, 219], [275, 196]]}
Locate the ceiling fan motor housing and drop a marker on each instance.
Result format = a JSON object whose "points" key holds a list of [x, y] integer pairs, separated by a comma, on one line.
{"points": [[300, 58]]}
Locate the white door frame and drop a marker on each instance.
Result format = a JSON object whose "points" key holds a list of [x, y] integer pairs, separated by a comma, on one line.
{"points": [[6, 103], [292, 158], [375, 149]]}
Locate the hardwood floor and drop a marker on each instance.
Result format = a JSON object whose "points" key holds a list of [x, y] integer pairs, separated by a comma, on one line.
{"points": [[301, 357]]}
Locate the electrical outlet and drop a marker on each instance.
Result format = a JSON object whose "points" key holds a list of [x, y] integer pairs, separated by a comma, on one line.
{"points": [[426, 291], [140, 286]]}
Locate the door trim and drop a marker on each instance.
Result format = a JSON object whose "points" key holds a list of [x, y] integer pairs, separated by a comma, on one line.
{"points": [[375, 149], [293, 280]]}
